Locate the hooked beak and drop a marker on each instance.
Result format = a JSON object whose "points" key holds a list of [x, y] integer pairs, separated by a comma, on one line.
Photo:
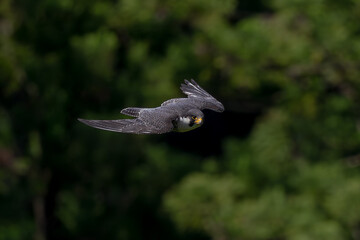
{"points": [[198, 120]]}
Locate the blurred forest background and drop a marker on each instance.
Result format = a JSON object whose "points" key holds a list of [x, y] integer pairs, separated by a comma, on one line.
{"points": [[281, 163]]}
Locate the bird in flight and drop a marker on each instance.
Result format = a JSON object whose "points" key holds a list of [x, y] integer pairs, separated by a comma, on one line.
{"points": [[177, 114]]}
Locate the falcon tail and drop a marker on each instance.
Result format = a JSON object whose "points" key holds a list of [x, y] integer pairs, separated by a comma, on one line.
{"points": [[132, 111]]}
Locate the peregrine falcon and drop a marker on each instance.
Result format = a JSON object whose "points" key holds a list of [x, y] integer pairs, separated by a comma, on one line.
{"points": [[178, 114]]}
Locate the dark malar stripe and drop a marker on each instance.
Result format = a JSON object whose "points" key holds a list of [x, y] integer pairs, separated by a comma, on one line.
{"points": [[192, 122]]}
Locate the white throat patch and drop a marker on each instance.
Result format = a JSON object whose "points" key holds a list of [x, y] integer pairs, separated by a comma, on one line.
{"points": [[183, 124]]}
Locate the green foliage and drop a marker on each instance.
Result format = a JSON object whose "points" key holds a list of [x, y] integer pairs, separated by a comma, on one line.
{"points": [[214, 198], [96, 52], [293, 66], [299, 205]]}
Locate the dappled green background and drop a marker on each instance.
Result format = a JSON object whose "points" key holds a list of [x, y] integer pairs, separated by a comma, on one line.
{"points": [[282, 162]]}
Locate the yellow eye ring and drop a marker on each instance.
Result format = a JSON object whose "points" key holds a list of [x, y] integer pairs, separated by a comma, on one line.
{"points": [[193, 117]]}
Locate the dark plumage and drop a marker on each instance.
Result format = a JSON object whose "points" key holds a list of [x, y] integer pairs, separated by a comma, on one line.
{"points": [[178, 114]]}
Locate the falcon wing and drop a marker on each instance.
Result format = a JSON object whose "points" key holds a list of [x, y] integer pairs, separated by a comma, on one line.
{"points": [[136, 126], [201, 97]]}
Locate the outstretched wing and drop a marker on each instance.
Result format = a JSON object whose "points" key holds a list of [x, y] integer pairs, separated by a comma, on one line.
{"points": [[136, 126], [201, 97]]}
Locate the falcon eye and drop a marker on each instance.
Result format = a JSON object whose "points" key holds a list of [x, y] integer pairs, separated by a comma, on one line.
{"points": [[193, 117]]}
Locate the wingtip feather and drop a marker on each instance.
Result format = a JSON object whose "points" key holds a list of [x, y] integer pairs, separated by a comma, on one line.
{"points": [[193, 82]]}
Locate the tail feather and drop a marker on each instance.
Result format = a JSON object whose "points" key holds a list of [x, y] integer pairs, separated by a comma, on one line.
{"points": [[132, 111]]}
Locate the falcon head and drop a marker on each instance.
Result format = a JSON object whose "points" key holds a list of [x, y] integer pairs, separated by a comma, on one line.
{"points": [[193, 119], [196, 117]]}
